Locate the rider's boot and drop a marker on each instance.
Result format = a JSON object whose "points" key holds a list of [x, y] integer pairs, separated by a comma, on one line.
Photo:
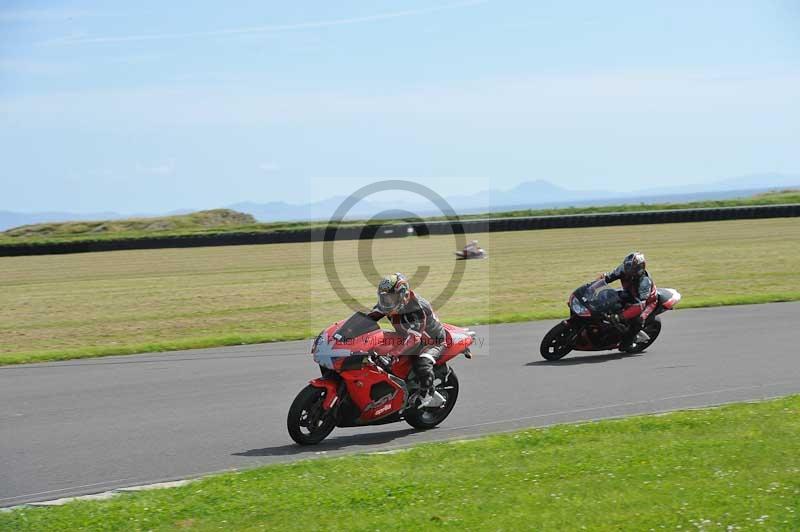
{"points": [[631, 340], [430, 399]]}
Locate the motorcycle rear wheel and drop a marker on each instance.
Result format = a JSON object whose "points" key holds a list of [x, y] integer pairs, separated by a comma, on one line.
{"points": [[307, 413], [653, 329], [557, 343], [427, 418]]}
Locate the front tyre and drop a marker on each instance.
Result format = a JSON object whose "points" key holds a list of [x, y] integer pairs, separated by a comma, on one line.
{"points": [[558, 342], [427, 418], [308, 422]]}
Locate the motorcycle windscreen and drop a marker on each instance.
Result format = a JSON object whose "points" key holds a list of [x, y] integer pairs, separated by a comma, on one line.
{"points": [[356, 325], [600, 298]]}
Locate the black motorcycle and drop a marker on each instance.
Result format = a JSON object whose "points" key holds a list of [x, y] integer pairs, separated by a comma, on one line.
{"points": [[592, 325]]}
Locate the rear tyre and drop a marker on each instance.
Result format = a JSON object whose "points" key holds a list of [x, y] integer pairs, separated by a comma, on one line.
{"points": [[558, 342], [653, 329], [308, 423], [427, 418]]}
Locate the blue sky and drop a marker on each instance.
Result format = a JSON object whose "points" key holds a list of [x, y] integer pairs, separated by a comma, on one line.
{"points": [[153, 106]]}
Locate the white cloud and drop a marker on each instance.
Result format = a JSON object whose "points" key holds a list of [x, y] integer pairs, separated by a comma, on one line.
{"points": [[547, 101], [161, 169], [34, 67], [263, 29], [47, 15]]}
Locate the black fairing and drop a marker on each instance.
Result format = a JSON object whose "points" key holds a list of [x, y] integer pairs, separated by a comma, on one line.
{"points": [[348, 416], [328, 373], [603, 336], [602, 302], [380, 389], [347, 413], [355, 361]]}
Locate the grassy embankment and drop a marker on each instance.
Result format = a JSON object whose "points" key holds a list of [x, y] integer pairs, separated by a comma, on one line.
{"points": [[227, 221], [201, 222], [71, 306], [731, 468]]}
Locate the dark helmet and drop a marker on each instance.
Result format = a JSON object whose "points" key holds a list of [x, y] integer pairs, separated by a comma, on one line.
{"points": [[392, 292], [634, 265]]}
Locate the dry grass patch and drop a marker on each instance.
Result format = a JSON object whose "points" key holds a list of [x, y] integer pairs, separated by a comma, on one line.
{"points": [[63, 306]]}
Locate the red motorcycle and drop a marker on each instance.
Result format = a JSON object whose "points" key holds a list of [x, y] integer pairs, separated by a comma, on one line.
{"points": [[591, 326], [365, 382]]}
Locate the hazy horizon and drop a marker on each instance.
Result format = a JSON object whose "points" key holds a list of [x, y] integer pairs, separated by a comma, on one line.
{"points": [[488, 200]]}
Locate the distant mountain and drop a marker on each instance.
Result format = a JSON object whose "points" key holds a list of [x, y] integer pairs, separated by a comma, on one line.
{"points": [[320, 210], [766, 181], [760, 181], [526, 195], [529, 194], [537, 192]]}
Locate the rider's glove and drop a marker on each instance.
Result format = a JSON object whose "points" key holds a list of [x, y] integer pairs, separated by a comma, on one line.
{"points": [[384, 361], [413, 339]]}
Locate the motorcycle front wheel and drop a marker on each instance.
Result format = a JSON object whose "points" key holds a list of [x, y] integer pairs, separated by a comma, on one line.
{"points": [[427, 418], [308, 423], [558, 342]]}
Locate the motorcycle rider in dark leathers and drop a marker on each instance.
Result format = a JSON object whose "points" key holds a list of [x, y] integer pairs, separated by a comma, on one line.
{"points": [[415, 321], [639, 296], [471, 249]]}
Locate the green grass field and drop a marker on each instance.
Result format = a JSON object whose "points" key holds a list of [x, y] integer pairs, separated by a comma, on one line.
{"points": [[67, 306], [731, 468], [227, 221]]}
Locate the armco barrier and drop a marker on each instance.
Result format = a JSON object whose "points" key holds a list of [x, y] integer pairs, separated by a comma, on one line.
{"points": [[400, 230]]}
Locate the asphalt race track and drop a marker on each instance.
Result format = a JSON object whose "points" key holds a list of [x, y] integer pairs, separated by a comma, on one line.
{"points": [[87, 426]]}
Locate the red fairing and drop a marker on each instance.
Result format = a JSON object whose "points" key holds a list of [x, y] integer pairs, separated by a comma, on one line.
{"points": [[330, 388], [390, 343], [360, 383], [644, 308], [374, 392], [673, 300], [402, 367], [458, 341]]}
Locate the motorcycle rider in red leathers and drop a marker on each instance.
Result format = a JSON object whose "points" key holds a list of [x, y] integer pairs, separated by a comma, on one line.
{"points": [[639, 295], [415, 321]]}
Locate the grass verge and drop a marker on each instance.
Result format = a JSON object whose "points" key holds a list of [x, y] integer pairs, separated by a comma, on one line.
{"points": [[69, 306], [735, 467], [231, 340]]}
